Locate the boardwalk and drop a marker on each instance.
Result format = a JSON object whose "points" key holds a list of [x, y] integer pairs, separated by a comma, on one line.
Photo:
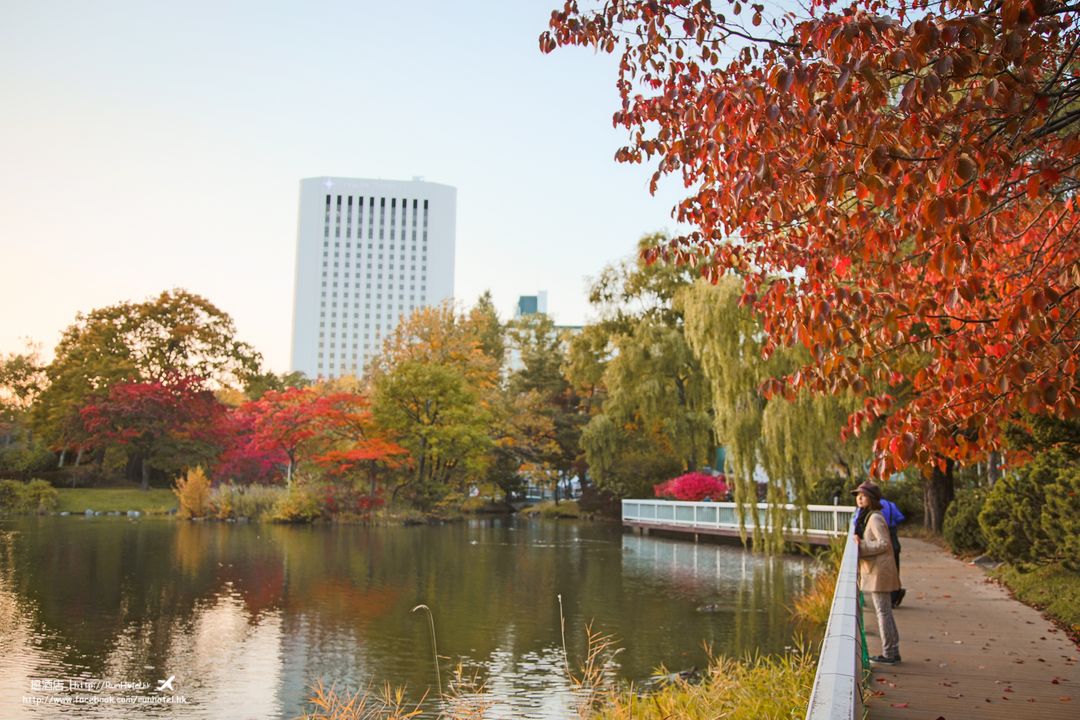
{"points": [[969, 650]]}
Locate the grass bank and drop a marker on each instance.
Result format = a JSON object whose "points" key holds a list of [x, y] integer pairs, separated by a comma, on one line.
{"points": [[1052, 589], [151, 502]]}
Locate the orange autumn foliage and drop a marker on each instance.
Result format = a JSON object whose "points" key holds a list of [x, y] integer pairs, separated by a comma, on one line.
{"points": [[894, 182]]}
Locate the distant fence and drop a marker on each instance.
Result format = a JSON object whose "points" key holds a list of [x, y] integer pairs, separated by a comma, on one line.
{"points": [[822, 522], [836, 694]]}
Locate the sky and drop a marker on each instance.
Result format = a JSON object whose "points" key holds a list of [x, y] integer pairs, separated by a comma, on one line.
{"points": [[150, 145]]}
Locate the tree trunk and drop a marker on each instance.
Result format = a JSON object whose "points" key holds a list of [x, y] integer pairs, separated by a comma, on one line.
{"points": [[145, 475], [938, 492], [63, 455], [78, 456], [993, 468]]}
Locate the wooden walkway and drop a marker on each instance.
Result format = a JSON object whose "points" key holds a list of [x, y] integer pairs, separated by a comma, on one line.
{"points": [[969, 650]]}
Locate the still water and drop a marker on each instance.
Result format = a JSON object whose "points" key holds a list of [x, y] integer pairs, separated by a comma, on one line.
{"points": [[97, 613]]}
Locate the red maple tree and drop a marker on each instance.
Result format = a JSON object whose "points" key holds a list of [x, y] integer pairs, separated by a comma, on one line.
{"points": [[333, 430], [168, 424], [895, 183]]}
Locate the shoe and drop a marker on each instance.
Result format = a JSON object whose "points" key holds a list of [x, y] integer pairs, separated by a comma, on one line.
{"points": [[882, 660], [899, 597]]}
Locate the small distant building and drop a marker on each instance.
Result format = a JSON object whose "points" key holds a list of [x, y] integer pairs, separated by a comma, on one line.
{"points": [[531, 304]]}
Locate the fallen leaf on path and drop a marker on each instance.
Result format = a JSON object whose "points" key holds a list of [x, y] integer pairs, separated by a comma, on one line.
{"points": [[899, 705], [1064, 698]]}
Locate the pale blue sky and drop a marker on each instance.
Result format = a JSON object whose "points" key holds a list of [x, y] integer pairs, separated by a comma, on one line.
{"points": [[149, 145]]}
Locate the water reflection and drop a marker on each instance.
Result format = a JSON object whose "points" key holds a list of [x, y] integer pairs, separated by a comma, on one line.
{"points": [[247, 616]]}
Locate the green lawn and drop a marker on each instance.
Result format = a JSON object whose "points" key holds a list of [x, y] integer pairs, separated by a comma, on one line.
{"points": [[1052, 589], [106, 499]]}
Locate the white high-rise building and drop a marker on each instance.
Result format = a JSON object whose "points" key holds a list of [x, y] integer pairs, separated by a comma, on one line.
{"points": [[368, 253]]}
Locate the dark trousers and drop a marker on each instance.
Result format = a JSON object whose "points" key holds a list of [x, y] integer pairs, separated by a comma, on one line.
{"points": [[896, 554]]}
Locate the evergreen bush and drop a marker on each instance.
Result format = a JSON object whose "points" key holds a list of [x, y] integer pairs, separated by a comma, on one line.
{"points": [[1061, 512], [1011, 518], [961, 526]]}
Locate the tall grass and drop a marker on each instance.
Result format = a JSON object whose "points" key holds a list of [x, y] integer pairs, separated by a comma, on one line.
{"points": [[812, 607], [244, 501], [385, 704], [758, 688]]}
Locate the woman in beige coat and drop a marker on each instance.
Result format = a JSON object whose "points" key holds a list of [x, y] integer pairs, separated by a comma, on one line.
{"points": [[878, 575]]}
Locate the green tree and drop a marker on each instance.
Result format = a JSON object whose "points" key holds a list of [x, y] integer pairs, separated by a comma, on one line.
{"points": [[434, 388], [22, 378], [177, 333], [542, 353], [524, 444], [489, 330], [258, 384], [648, 396]]}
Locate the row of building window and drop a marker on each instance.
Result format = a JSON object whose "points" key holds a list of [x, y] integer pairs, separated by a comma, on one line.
{"points": [[337, 224]]}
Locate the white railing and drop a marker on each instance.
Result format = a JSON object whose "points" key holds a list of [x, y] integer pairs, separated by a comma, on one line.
{"points": [[836, 694], [821, 520]]}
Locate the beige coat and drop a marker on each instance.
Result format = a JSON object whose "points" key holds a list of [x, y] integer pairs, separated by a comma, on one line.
{"points": [[877, 566]]}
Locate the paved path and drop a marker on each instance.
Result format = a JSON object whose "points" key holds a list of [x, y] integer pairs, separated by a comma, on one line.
{"points": [[970, 651]]}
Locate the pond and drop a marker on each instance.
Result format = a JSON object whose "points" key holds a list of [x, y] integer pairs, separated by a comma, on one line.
{"points": [[97, 613]]}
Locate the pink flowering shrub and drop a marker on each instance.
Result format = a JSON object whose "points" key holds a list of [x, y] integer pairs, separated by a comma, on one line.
{"points": [[694, 486]]}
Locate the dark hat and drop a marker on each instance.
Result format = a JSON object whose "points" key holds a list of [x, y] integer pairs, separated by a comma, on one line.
{"points": [[870, 489]]}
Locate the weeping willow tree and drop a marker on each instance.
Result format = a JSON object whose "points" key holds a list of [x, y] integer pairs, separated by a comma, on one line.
{"points": [[648, 397], [795, 442]]}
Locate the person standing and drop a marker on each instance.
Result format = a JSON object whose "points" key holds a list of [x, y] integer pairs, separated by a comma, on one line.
{"points": [[878, 576], [894, 517]]}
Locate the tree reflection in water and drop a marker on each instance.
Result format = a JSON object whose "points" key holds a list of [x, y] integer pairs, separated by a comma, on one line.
{"points": [[246, 616]]}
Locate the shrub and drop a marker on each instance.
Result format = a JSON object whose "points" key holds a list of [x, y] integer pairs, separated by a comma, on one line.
{"points": [[11, 496], [347, 500], [1061, 513], [961, 525], [193, 493], [244, 501], [36, 496], [823, 490], [40, 496], [19, 459], [694, 486], [298, 505], [1011, 519]]}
